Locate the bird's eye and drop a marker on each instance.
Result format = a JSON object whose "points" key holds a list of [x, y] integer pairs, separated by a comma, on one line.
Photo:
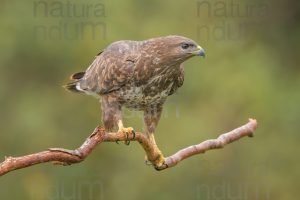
{"points": [[185, 46]]}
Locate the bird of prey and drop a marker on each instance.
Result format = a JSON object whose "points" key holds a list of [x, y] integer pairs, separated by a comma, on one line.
{"points": [[139, 75]]}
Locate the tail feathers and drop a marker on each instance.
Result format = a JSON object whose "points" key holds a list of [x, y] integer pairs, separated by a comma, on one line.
{"points": [[77, 76], [73, 86]]}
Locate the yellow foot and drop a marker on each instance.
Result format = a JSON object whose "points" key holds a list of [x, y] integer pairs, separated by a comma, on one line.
{"points": [[129, 132], [158, 161]]}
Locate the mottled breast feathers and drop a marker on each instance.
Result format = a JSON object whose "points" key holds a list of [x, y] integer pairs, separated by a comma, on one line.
{"points": [[178, 82]]}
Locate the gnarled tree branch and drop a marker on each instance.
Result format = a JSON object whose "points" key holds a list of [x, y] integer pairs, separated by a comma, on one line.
{"points": [[68, 157]]}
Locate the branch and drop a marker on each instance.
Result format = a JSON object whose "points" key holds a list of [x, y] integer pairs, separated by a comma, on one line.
{"points": [[68, 157]]}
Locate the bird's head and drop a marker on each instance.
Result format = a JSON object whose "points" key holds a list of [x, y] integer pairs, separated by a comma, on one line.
{"points": [[177, 48]]}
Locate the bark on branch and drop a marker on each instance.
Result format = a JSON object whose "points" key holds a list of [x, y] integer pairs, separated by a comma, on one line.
{"points": [[68, 157]]}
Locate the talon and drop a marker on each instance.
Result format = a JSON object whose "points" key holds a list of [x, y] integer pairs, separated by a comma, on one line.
{"points": [[117, 141], [128, 131], [127, 141], [161, 167], [158, 162]]}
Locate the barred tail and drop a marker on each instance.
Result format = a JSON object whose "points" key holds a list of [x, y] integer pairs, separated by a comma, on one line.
{"points": [[74, 85]]}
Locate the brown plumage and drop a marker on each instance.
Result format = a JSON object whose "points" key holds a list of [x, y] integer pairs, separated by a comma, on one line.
{"points": [[138, 75]]}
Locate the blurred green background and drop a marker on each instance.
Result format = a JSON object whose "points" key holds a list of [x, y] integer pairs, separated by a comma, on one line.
{"points": [[251, 70]]}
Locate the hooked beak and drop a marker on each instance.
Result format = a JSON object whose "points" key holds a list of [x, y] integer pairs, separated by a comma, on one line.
{"points": [[199, 52]]}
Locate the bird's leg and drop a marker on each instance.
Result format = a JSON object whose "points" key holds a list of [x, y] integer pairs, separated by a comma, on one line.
{"points": [[112, 116], [129, 132], [151, 118], [154, 155]]}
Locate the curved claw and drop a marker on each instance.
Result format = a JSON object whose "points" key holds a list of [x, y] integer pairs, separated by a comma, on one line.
{"points": [[158, 162], [127, 141], [161, 167], [156, 167], [128, 131]]}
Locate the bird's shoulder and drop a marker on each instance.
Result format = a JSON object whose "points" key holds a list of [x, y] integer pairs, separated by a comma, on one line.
{"points": [[112, 67], [117, 55]]}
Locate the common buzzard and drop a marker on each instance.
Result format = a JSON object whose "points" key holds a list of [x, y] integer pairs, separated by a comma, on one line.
{"points": [[138, 75]]}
